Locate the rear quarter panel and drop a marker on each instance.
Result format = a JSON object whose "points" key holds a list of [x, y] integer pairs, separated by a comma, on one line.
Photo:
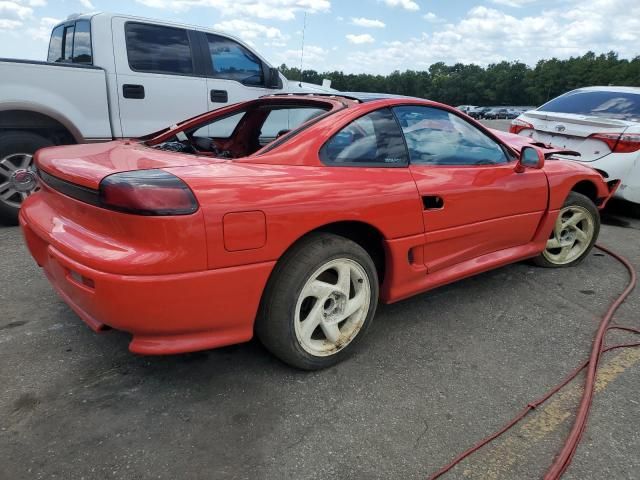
{"points": [[298, 199]]}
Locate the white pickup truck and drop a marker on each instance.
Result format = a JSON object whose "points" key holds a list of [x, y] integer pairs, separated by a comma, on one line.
{"points": [[111, 76]]}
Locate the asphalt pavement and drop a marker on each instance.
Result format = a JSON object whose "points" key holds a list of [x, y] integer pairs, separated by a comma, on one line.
{"points": [[436, 373]]}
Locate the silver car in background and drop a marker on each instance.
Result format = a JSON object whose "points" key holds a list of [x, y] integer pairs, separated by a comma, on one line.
{"points": [[601, 123]]}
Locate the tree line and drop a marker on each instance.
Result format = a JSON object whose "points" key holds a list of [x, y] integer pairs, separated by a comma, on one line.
{"points": [[504, 83]]}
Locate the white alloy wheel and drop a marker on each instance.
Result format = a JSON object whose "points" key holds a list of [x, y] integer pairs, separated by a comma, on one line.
{"points": [[572, 235], [332, 307]]}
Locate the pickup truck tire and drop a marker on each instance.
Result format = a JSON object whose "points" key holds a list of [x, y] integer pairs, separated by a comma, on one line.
{"points": [[16, 154]]}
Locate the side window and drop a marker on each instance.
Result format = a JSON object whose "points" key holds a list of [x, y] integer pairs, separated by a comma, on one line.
{"points": [[222, 128], [55, 45], [437, 137], [158, 49], [282, 120], [231, 61], [82, 43], [67, 45], [372, 140]]}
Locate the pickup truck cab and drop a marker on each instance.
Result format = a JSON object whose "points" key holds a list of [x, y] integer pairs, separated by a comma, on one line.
{"points": [[110, 76]]}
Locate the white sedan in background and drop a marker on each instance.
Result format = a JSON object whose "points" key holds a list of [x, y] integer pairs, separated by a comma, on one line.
{"points": [[601, 123]]}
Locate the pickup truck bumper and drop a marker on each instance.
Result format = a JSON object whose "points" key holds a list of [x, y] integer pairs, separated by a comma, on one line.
{"points": [[166, 314]]}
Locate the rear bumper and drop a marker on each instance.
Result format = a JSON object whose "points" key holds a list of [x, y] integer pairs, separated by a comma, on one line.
{"points": [[166, 314]]}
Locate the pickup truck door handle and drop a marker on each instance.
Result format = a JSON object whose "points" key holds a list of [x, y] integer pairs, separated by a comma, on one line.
{"points": [[432, 202], [219, 96], [133, 91]]}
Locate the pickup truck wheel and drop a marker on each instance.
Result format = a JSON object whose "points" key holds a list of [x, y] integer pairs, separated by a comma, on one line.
{"points": [[320, 300], [574, 234], [16, 159]]}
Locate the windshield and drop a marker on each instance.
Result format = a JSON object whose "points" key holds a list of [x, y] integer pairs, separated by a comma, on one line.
{"points": [[617, 105]]}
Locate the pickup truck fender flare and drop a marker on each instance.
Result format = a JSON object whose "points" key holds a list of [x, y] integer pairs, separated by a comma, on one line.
{"points": [[43, 110]]}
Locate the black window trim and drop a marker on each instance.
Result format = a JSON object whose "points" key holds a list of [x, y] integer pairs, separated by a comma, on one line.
{"points": [[404, 164], [157, 72], [510, 155]]}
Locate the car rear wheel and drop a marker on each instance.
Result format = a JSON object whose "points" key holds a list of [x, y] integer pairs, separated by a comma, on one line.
{"points": [[320, 300], [574, 233], [16, 162]]}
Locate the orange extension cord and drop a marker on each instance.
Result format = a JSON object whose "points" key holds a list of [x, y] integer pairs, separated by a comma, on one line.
{"points": [[563, 460]]}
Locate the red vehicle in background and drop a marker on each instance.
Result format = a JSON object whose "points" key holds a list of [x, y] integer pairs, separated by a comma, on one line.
{"points": [[292, 216]]}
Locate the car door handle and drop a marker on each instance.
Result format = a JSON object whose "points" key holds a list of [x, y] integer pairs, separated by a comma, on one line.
{"points": [[219, 96], [432, 202], [133, 91]]}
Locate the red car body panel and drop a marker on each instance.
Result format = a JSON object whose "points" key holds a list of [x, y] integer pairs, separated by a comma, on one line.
{"points": [[191, 282]]}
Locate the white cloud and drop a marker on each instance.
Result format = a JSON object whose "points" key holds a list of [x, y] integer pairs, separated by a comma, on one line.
{"points": [[432, 18], [271, 9], [486, 35], [14, 10], [514, 3], [87, 4], [314, 57], [252, 31], [14, 13], [360, 39], [367, 22], [7, 24], [406, 4], [42, 31]]}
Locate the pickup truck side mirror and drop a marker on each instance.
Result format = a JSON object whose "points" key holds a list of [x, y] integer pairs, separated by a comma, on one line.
{"points": [[530, 157], [272, 79]]}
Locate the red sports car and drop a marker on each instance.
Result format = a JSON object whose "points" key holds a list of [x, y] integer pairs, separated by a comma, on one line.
{"points": [[292, 216]]}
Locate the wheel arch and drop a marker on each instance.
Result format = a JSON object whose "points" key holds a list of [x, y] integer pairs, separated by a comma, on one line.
{"points": [[46, 123], [588, 189], [370, 238]]}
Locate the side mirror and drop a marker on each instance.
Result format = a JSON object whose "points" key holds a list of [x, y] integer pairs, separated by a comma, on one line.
{"points": [[530, 157], [272, 79]]}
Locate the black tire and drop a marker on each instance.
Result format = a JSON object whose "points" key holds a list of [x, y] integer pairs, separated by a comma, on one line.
{"points": [[275, 323], [14, 142], [584, 203]]}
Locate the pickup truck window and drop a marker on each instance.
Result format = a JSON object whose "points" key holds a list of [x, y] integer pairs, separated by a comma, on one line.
{"points": [[158, 49], [67, 44], [55, 45], [71, 43], [231, 61], [82, 43]]}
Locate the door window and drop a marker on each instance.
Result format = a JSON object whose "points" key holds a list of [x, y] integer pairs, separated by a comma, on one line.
{"points": [[158, 49], [372, 140], [438, 137], [231, 61], [281, 120], [220, 128]]}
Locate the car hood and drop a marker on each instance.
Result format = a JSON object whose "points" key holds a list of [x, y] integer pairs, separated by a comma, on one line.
{"points": [[88, 164]]}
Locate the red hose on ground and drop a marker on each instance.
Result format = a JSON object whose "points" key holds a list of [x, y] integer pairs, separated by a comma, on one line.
{"points": [[565, 456]]}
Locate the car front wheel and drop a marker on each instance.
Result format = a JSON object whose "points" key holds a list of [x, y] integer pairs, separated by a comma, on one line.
{"points": [[574, 233], [320, 300]]}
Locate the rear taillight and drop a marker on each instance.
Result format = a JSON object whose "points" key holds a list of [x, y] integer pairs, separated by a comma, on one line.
{"points": [[518, 125], [147, 192], [619, 143]]}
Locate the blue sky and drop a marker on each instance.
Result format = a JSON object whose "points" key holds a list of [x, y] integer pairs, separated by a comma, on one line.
{"points": [[376, 36]]}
